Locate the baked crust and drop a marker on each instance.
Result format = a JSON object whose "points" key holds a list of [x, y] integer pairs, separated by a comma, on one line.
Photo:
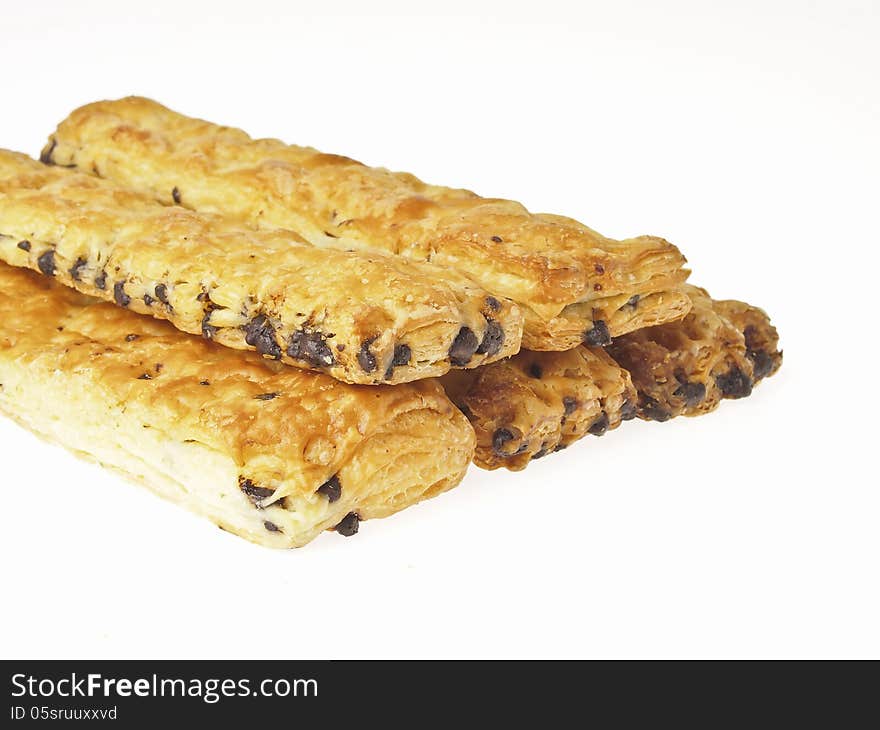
{"points": [[360, 317], [536, 403], [721, 349], [270, 453], [573, 284]]}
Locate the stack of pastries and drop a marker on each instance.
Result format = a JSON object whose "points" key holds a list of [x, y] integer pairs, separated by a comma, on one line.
{"points": [[284, 340]]}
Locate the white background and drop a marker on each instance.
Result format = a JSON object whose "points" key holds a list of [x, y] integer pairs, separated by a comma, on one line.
{"points": [[747, 133]]}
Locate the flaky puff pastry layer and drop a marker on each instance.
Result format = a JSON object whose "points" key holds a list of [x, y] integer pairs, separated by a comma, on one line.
{"points": [[573, 284], [360, 317], [270, 453], [721, 349], [539, 402]]}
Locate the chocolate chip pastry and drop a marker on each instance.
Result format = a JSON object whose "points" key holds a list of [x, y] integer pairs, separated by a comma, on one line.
{"points": [[273, 454], [360, 317], [721, 349], [573, 284], [536, 403], [539, 402]]}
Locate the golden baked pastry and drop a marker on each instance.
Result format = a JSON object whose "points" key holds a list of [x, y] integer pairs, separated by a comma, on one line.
{"points": [[719, 350], [573, 284], [539, 402], [360, 317], [270, 453]]}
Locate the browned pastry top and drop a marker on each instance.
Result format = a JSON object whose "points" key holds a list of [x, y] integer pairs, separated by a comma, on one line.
{"points": [[288, 431], [361, 317], [544, 262]]}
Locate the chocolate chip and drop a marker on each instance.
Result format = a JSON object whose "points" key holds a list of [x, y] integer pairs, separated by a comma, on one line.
{"points": [[175, 195], [266, 396], [46, 263], [600, 425], [46, 154], [599, 269], [761, 359], [693, 393], [535, 371], [101, 281], [500, 439], [751, 335], [122, 299], [204, 382], [208, 330], [463, 347], [24, 245], [762, 363], [332, 489], [493, 339], [145, 376], [260, 334], [402, 355], [349, 525], [653, 411], [493, 304], [270, 526], [76, 269], [255, 493], [148, 300], [734, 383], [628, 410], [366, 359], [162, 293], [598, 335], [633, 301], [312, 348], [497, 239], [570, 404], [131, 338]]}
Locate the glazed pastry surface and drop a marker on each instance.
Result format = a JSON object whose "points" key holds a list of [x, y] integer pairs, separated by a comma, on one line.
{"points": [[271, 453], [573, 284], [360, 317]]}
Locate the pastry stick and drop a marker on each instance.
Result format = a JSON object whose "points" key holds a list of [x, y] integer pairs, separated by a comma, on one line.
{"points": [[721, 349], [360, 317], [273, 454], [573, 284], [536, 403]]}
